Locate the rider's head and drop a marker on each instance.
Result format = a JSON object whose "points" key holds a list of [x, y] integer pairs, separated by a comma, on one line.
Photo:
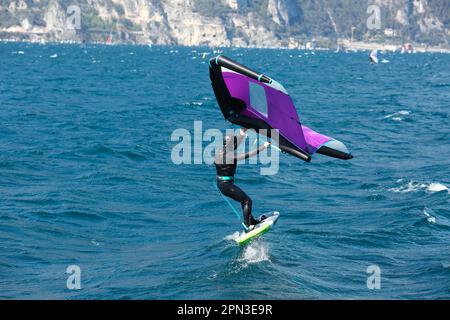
{"points": [[230, 142]]}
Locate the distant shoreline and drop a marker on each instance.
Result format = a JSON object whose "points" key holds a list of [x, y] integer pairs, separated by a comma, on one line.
{"points": [[365, 46], [343, 45]]}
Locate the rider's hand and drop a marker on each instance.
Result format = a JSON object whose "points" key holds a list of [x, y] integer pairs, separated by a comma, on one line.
{"points": [[266, 144], [243, 131]]}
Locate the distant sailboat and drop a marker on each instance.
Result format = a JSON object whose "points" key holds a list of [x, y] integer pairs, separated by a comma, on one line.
{"points": [[408, 48], [109, 39]]}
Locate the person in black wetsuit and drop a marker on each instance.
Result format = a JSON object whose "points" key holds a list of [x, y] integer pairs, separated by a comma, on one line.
{"points": [[226, 163]]}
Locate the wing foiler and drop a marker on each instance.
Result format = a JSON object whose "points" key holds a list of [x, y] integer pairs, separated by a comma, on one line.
{"points": [[255, 101]]}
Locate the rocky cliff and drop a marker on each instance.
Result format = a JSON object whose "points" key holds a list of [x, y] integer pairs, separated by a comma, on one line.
{"points": [[262, 23]]}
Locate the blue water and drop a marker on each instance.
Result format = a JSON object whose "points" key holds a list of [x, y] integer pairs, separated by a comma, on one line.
{"points": [[86, 178]]}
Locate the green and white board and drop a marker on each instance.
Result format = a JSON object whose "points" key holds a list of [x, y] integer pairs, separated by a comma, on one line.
{"points": [[259, 230]]}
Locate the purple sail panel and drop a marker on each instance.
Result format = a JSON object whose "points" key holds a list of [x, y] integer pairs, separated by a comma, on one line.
{"points": [[274, 107], [238, 86], [325, 145], [314, 139]]}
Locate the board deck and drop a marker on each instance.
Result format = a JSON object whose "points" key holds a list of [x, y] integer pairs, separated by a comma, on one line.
{"points": [[259, 230]]}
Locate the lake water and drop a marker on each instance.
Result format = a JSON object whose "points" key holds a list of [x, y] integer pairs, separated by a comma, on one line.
{"points": [[86, 178]]}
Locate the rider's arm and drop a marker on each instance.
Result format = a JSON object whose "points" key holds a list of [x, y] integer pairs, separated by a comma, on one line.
{"points": [[241, 136], [253, 152]]}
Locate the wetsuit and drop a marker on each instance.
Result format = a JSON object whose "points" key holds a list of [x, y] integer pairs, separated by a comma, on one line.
{"points": [[226, 164], [225, 183]]}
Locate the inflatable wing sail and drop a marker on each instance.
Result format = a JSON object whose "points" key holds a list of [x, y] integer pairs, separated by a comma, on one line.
{"points": [[374, 56], [255, 101]]}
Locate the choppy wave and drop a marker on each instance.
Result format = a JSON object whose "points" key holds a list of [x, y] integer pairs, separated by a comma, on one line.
{"points": [[256, 252], [429, 216], [412, 186], [398, 116]]}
